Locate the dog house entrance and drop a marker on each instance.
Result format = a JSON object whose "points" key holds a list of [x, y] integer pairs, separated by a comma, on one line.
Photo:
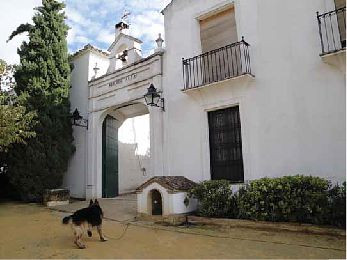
{"points": [[157, 203]]}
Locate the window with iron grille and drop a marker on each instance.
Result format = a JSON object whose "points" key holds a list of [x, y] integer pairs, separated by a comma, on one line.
{"points": [[226, 145]]}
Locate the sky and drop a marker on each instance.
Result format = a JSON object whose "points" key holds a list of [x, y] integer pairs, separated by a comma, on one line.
{"points": [[91, 21]]}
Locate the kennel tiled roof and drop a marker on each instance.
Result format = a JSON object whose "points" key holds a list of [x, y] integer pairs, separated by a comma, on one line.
{"points": [[171, 183]]}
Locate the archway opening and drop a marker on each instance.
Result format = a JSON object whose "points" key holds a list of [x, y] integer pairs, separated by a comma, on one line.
{"points": [[134, 152], [156, 203], [126, 149]]}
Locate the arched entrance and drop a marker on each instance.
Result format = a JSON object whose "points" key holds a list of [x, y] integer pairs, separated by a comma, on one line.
{"points": [[125, 149], [157, 203], [120, 95], [110, 158]]}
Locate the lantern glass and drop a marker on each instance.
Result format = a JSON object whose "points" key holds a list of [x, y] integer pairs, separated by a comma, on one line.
{"points": [[156, 98], [148, 99]]}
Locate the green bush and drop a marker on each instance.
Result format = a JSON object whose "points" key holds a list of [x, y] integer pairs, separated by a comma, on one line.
{"points": [[215, 198], [289, 198], [304, 199], [337, 206]]}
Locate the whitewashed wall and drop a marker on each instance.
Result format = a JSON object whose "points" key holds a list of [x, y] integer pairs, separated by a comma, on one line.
{"points": [[292, 112], [130, 174], [74, 179]]}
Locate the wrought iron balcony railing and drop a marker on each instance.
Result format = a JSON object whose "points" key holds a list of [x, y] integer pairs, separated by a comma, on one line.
{"points": [[227, 62], [332, 30]]}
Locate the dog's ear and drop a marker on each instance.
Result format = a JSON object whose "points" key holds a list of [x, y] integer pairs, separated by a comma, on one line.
{"points": [[90, 202], [96, 202]]}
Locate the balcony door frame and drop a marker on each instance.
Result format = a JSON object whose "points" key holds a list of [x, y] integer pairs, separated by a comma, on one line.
{"points": [[212, 10], [343, 41]]}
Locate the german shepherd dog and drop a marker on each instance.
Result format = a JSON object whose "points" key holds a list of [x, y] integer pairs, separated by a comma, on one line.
{"points": [[85, 219]]}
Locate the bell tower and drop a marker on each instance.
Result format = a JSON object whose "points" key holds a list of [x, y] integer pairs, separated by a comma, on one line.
{"points": [[125, 49]]}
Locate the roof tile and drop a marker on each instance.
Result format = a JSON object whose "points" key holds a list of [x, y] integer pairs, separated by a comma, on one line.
{"points": [[172, 183]]}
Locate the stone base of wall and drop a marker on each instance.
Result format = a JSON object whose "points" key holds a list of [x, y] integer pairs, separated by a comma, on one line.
{"points": [[56, 197]]}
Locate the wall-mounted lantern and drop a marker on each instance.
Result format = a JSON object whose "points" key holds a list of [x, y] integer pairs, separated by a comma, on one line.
{"points": [[153, 98], [159, 41], [78, 120]]}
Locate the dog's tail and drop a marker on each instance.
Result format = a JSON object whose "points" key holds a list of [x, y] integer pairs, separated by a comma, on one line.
{"points": [[66, 220]]}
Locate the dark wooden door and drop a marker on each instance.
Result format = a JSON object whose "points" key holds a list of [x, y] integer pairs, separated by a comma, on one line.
{"points": [[226, 145], [109, 158], [157, 205]]}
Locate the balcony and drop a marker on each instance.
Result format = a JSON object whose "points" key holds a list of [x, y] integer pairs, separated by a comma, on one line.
{"points": [[332, 31], [217, 65]]}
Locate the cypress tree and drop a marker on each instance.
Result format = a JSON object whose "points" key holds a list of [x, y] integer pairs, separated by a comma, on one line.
{"points": [[43, 76]]}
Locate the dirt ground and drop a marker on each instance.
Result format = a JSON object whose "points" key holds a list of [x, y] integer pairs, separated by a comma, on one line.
{"points": [[32, 231]]}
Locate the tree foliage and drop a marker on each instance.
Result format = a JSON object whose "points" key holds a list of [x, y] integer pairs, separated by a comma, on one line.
{"points": [[2, 67], [7, 81], [44, 76], [15, 122], [21, 29]]}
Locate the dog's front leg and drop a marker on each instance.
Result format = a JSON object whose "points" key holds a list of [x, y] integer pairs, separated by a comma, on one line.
{"points": [[89, 230], [102, 238]]}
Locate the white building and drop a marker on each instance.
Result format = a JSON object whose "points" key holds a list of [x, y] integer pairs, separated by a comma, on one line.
{"points": [[260, 91]]}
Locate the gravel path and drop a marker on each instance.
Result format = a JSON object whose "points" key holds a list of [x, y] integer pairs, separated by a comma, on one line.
{"points": [[32, 231]]}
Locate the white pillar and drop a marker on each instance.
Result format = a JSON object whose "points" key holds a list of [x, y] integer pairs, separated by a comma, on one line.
{"points": [[112, 66], [94, 169], [134, 55], [157, 135]]}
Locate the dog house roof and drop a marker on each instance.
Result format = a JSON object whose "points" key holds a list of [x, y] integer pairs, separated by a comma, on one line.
{"points": [[171, 183]]}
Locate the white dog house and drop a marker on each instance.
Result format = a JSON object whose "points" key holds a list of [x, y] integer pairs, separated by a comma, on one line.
{"points": [[165, 195]]}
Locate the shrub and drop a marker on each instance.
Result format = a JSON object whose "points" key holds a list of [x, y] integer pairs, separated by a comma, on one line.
{"points": [[299, 198], [215, 198], [289, 198], [337, 206]]}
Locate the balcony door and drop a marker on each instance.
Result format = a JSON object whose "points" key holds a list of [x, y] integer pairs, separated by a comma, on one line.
{"points": [[217, 31], [226, 145], [341, 20]]}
